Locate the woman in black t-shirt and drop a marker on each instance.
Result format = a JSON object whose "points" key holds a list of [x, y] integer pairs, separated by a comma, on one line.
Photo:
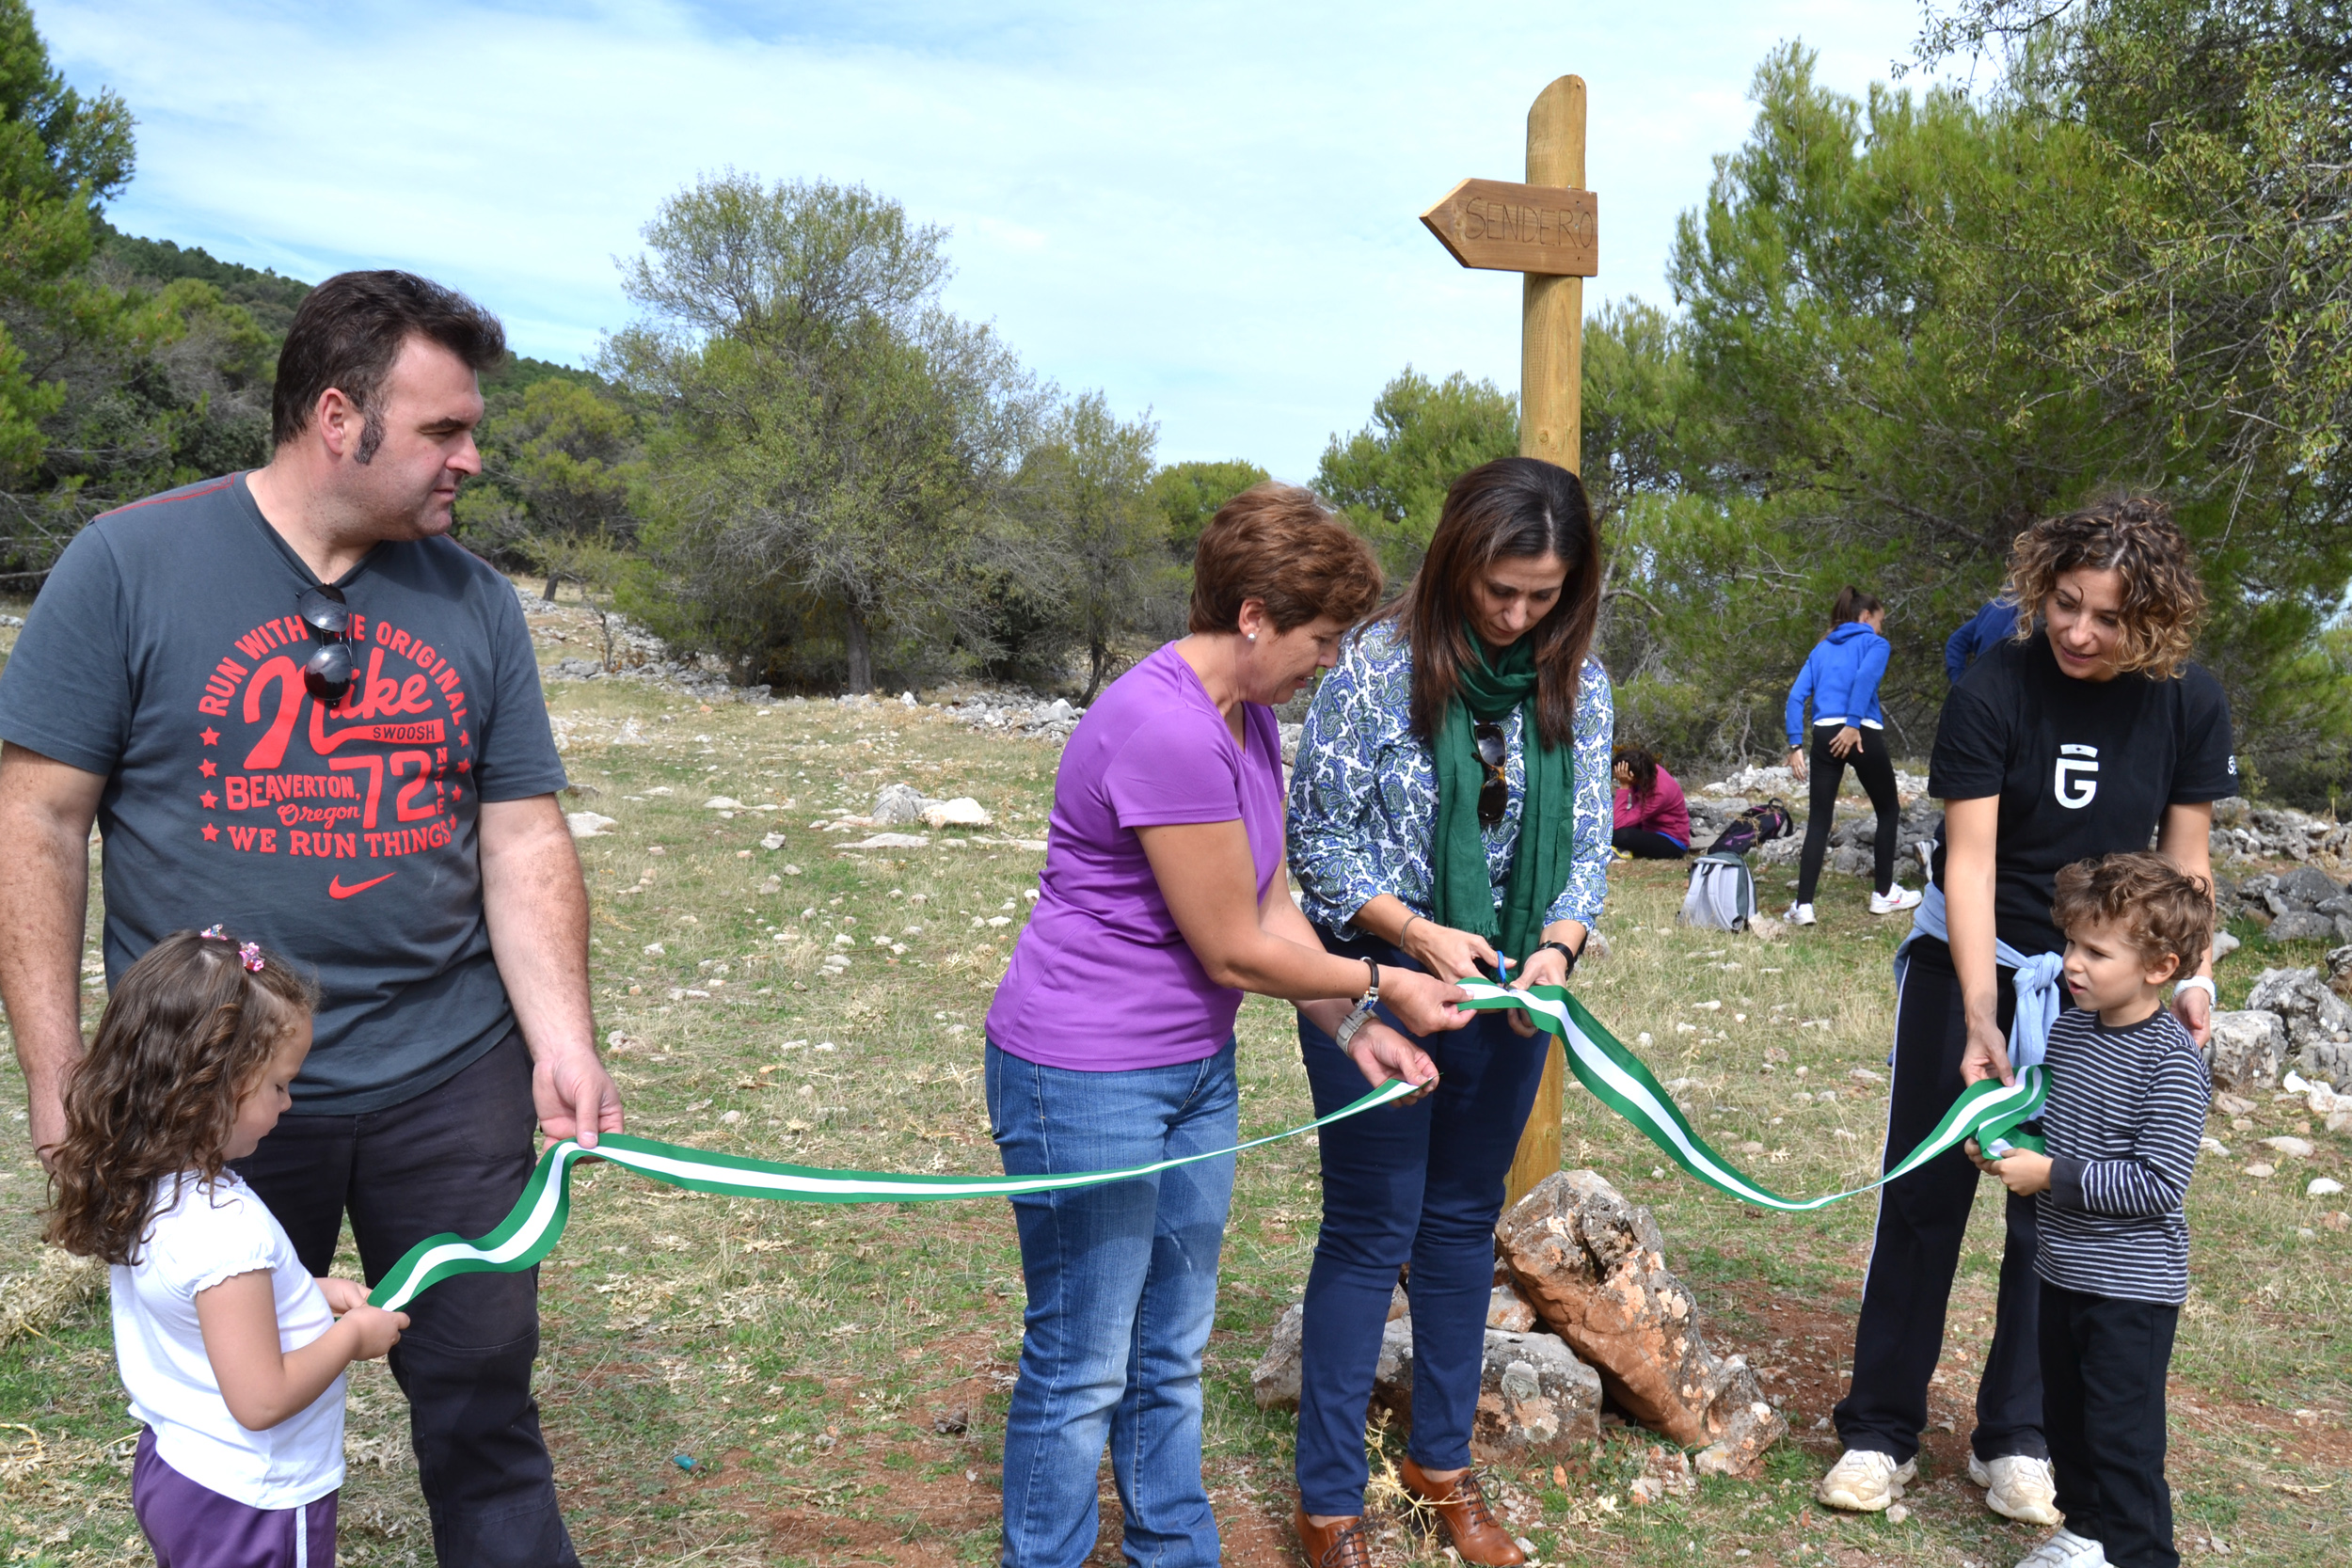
{"points": [[2085, 734]]}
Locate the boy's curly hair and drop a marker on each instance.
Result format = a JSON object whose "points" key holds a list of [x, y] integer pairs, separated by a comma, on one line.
{"points": [[2162, 909], [184, 1036], [2164, 600]]}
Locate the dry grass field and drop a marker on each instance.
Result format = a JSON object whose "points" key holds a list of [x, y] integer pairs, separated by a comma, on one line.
{"points": [[730, 1382]]}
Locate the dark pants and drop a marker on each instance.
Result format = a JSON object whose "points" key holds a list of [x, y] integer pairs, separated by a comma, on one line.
{"points": [[2104, 1362], [1915, 1250], [1419, 1183], [1876, 769], [454, 1158], [1645, 845]]}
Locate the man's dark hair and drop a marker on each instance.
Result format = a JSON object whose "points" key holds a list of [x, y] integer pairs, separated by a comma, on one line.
{"points": [[349, 330]]}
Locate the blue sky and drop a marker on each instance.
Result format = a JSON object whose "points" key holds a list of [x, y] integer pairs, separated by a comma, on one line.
{"points": [[1207, 210]]}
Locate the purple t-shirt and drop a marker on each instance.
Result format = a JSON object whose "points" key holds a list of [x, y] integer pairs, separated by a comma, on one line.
{"points": [[1102, 980]]}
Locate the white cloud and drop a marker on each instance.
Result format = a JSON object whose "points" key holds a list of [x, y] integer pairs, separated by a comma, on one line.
{"points": [[1208, 210]]}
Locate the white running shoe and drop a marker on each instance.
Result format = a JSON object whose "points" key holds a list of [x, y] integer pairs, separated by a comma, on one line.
{"points": [[2066, 1550], [2017, 1486], [1865, 1481], [1894, 900], [1799, 914]]}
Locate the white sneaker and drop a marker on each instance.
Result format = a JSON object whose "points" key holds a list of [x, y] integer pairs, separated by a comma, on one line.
{"points": [[1894, 900], [2066, 1550], [2019, 1487], [1799, 914], [1865, 1481]]}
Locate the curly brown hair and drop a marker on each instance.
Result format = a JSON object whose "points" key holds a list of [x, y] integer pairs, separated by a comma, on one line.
{"points": [[2163, 909], [1278, 544], [186, 1036], [2134, 536]]}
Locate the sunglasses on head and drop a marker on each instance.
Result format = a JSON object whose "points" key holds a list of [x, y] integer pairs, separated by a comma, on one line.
{"points": [[329, 673], [1495, 794]]}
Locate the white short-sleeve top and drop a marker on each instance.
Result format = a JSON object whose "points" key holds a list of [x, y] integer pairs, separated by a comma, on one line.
{"points": [[202, 1234]]}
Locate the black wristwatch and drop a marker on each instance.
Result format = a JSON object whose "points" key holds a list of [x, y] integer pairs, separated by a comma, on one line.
{"points": [[1564, 951]]}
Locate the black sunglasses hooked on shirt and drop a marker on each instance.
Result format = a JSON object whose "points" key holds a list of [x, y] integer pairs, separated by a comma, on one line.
{"points": [[329, 673], [1495, 794]]}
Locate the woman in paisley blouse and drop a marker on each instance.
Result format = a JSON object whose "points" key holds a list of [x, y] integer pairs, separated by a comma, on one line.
{"points": [[1451, 809]]}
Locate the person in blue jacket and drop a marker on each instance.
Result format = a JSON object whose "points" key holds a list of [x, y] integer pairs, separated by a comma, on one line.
{"points": [[1995, 623], [1841, 677]]}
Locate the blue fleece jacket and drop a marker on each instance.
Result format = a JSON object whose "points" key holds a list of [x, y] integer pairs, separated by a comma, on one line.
{"points": [[1996, 621], [1841, 674]]}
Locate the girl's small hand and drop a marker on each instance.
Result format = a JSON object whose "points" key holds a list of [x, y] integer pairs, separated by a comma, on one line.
{"points": [[378, 1330], [1381, 1053], [1845, 743], [1796, 763], [342, 1294], [1446, 953]]}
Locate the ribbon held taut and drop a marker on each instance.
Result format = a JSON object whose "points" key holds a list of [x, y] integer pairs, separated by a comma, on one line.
{"points": [[1618, 1079], [532, 1228]]}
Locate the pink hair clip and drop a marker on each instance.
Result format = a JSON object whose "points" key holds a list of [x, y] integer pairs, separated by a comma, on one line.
{"points": [[212, 933], [250, 954]]}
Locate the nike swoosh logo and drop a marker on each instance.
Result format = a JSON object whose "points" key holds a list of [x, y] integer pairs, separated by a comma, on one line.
{"points": [[335, 888]]}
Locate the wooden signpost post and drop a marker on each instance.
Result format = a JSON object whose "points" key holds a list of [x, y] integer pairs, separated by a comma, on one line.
{"points": [[1548, 230]]}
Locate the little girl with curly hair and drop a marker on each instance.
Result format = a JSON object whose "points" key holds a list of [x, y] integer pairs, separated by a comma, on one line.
{"points": [[232, 1354]]}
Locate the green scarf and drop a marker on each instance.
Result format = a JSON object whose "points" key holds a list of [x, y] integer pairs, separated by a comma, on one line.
{"points": [[1460, 888]]}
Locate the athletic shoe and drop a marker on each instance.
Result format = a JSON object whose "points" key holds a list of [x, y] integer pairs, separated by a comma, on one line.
{"points": [[2066, 1550], [1894, 900], [2017, 1486], [1799, 914], [1865, 1481]]}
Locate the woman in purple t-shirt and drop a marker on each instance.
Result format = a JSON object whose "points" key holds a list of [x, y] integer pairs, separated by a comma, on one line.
{"points": [[1110, 1042]]}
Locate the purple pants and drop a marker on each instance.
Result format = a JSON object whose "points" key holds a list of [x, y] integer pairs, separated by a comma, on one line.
{"points": [[194, 1526]]}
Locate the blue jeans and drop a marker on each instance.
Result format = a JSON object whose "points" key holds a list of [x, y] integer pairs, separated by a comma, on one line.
{"points": [[1123, 1290], [1419, 1183]]}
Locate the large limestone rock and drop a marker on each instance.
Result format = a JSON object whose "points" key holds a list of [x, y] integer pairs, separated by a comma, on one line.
{"points": [[2247, 1051], [897, 805], [1592, 1265], [2318, 1021]]}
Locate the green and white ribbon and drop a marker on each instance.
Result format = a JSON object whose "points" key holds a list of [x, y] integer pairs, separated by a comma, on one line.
{"points": [[530, 1230], [1618, 1079]]}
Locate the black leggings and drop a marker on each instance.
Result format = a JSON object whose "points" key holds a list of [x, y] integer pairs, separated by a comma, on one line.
{"points": [[1645, 845], [1876, 770]]}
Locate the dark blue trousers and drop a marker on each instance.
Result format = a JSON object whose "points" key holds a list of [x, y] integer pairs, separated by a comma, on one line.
{"points": [[1418, 1183]]}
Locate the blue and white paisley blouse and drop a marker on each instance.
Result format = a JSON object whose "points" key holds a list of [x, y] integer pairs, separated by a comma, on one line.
{"points": [[1364, 798]]}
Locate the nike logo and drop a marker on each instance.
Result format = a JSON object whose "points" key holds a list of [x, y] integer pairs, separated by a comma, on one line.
{"points": [[335, 888]]}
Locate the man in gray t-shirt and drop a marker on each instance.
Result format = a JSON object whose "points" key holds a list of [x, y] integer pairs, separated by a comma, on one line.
{"points": [[293, 706]]}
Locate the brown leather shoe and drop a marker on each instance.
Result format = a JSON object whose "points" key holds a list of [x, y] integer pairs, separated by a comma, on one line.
{"points": [[1341, 1544], [1468, 1521]]}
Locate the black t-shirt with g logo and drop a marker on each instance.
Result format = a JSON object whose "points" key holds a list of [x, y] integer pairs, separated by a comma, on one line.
{"points": [[2083, 768]]}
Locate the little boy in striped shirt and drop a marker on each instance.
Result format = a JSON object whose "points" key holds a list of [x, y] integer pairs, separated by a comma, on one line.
{"points": [[2126, 1112]]}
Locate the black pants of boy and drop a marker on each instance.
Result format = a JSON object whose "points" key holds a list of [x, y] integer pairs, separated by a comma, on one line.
{"points": [[2103, 1367], [1915, 1251], [453, 1158], [1876, 769]]}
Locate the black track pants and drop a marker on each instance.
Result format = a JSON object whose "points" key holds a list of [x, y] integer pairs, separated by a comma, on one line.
{"points": [[2104, 1362], [1876, 769], [1915, 1249]]}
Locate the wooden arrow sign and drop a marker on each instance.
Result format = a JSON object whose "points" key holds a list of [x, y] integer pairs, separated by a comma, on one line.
{"points": [[1541, 229]]}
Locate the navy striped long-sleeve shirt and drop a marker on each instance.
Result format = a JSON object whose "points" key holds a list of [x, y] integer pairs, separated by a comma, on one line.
{"points": [[2122, 1125]]}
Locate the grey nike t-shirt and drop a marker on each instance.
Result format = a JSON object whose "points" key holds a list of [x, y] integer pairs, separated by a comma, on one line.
{"points": [[164, 652]]}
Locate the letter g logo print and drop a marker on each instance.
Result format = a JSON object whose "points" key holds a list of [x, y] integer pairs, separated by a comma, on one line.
{"points": [[2076, 782]]}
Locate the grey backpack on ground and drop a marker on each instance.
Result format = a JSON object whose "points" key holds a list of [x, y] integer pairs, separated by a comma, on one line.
{"points": [[1722, 893]]}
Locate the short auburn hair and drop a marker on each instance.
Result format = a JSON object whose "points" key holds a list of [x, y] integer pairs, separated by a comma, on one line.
{"points": [[2162, 909], [349, 329], [2134, 537], [1280, 545]]}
